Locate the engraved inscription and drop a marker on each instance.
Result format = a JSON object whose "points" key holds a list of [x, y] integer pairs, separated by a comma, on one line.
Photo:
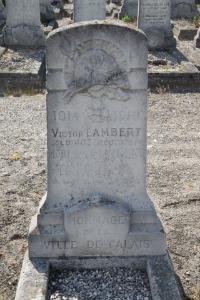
{"points": [[154, 13], [110, 153], [108, 116], [98, 244], [54, 245], [98, 132], [100, 220]]}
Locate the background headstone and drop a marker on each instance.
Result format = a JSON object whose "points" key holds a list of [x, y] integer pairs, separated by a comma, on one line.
{"points": [[96, 201], [46, 9], [184, 9], [129, 8], [2, 12], [197, 39], [23, 24], [89, 10], [154, 19]]}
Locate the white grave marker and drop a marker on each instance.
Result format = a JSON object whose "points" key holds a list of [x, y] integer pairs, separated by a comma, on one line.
{"points": [[96, 201]]}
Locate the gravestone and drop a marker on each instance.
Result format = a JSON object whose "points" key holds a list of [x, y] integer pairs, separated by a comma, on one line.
{"points": [[46, 9], [96, 202], [23, 24], [129, 8], [197, 39], [184, 9], [2, 12], [89, 10], [154, 19]]}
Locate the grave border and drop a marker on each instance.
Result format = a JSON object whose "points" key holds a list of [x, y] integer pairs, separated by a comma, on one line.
{"points": [[34, 277]]}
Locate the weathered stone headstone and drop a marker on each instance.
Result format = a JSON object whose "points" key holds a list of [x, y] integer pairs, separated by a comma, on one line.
{"points": [[46, 9], [89, 10], [197, 39], [96, 201], [23, 23], [154, 20], [129, 8], [2, 12], [184, 9]]}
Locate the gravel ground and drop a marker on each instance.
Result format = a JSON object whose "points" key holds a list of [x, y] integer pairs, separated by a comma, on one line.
{"points": [[21, 59], [162, 61], [114, 284], [173, 178]]}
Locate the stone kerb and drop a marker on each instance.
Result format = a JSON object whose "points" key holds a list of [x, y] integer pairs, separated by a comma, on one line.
{"points": [[154, 19], [96, 111]]}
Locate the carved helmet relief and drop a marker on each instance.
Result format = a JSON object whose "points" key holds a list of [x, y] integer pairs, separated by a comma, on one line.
{"points": [[96, 68]]}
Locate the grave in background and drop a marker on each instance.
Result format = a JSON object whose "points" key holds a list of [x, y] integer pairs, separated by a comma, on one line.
{"points": [[46, 10], [184, 9], [89, 10], [154, 19], [197, 39], [2, 12], [23, 24], [129, 8], [2, 20]]}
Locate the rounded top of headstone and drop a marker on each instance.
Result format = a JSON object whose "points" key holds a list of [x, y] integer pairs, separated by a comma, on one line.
{"points": [[117, 24]]}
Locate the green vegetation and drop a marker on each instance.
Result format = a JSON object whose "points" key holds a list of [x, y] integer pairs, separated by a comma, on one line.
{"points": [[196, 21], [127, 19]]}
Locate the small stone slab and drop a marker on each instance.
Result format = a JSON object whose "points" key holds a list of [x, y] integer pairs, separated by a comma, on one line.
{"points": [[187, 66], [184, 34]]}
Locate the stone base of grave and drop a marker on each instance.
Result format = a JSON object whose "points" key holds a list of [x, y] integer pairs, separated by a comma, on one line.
{"points": [[33, 282], [184, 34], [101, 228], [160, 39], [24, 35], [24, 80]]}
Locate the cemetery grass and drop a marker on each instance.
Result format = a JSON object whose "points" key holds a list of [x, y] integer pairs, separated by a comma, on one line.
{"points": [[173, 175]]}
